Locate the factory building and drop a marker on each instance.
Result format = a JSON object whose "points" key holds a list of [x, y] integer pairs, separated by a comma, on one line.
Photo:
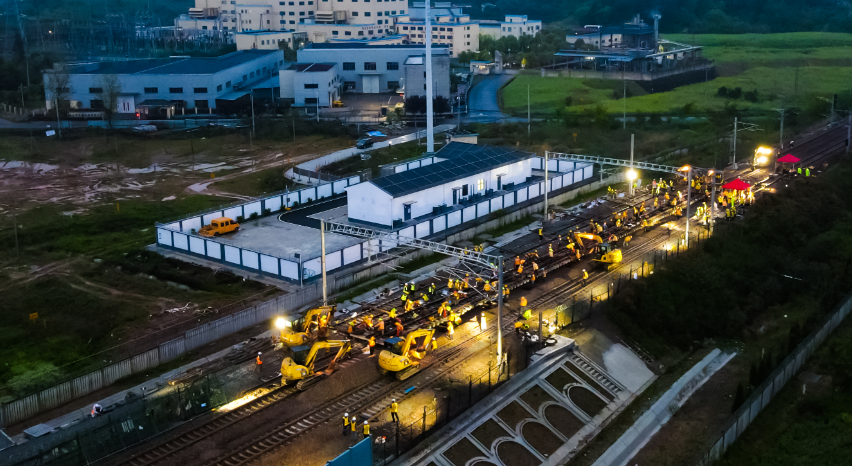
{"points": [[179, 83], [311, 84]]}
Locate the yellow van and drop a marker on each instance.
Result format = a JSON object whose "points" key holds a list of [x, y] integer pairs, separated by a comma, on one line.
{"points": [[219, 226]]}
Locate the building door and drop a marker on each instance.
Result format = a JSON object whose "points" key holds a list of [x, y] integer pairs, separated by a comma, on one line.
{"points": [[406, 212], [455, 196], [370, 84], [499, 182]]}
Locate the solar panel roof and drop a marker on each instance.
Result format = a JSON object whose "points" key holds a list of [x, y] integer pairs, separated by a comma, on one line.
{"points": [[463, 160]]}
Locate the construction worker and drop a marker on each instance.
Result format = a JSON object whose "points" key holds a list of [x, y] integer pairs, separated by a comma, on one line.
{"points": [[642, 208], [517, 261], [627, 241], [505, 292], [532, 279], [656, 203], [578, 255], [380, 326], [424, 297], [372, 344], [394, 410], [392, 313], [366, 429], [535, 267], [259, 362], [645, 225], [431, 289], [399, 328], [404, 296], [799, 170], [353, 424], [521, 269], [450, 330], [550, 250], [807, 172], [345, 424], [585, 277], [409, 305], [540, 233], [450, 283], [434, 344], [466, 281], [543, 275], [523, 304], [96, 410], [482, 323], [487, 287]]}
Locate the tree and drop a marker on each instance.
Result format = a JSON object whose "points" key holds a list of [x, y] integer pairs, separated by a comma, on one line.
{"points": [[415, 104], [739, 398], [289, 53], [465, 57], [59, 87], [110, 91], [440, 104]]}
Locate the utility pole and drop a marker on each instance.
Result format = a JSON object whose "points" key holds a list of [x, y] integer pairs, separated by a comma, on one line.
{"points": [[23, 104], [734, 152], [712, 201], [624, 102], [58, 123], [322, 261], [252, 112], [529, 128], [780, 141], [18, 251], [688, 199], [317, 105]]}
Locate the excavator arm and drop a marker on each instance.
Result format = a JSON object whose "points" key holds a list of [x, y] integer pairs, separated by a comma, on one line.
{"points": [[590, 236], [414, 335], [344, 346]]}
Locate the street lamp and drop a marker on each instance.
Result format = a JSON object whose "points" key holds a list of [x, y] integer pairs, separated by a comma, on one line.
{"points": [[688, 170], [631, 177]]}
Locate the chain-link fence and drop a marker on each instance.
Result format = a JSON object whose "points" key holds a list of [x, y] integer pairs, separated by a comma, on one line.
{"points": [[460, 395], [136, 420]]}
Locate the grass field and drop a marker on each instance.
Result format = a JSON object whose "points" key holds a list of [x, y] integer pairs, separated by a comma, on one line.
{"points": [[795, 68]]}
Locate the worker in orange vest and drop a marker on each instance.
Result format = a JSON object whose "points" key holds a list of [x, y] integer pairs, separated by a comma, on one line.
{"points": [[259, 363], [450, 330], [372, 344], [399, 328]]}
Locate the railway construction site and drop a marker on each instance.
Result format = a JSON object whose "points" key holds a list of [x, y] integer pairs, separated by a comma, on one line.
{"points": [[430, 345]]}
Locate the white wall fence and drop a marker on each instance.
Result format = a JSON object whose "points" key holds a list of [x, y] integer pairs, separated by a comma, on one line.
{"points": [[77, 387], [764, 393], [180, 235]]}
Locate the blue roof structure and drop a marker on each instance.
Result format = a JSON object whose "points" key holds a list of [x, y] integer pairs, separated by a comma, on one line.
{"points": [[172, 65], [462, 160], [366, 45]]}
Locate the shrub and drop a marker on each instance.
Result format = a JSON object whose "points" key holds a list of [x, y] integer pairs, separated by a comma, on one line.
{"points": [[750, 96], [267, 211], [722, 92], [568, 99], [254, 215], [240, 219]]}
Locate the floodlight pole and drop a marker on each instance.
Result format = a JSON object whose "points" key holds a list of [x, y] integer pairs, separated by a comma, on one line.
{"points": [[500, 309], [712, 203], [430, 130], [688, 203], [629, 181], [734, 153], [322, 261], [529, 118], [545, 189], [780, 142]]}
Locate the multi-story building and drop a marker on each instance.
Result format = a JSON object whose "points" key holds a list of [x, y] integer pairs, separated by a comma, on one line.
{"points": [[450, 27], [371, 69], [514, 25], [184, 82]]}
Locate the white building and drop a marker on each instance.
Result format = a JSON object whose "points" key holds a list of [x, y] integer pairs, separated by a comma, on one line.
{"points": [[457, 173], [185, 82], [450, 27], [370, 69], [269, 40], [311, 84], [514, 25]]}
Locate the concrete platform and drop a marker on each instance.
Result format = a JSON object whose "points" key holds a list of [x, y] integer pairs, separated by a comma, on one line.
{"points": [[283, 239]]}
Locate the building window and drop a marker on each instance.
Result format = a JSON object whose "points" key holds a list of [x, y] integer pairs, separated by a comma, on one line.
{"points": [[311, 100], [405, 28], [175, 90], [348, 85], [150, 90], [360, 33], [366, 13], [219, 88], [441, 29], [464, 190], [393, 65], [393, 85], [369, 66], [348, 66], [301, 13], [311, 86], [200, 90], [95, 90], [97, 104], [228, 84], [201, 104], [480, 185], [333, 33], [292, 13], [348, 33], [354, 13]]}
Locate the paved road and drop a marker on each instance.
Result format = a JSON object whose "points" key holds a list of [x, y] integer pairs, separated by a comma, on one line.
{"points": [[483, 96]]}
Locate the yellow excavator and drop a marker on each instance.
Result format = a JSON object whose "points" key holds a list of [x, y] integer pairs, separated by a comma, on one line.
{"points": [[297, 334], [609, 256], [401, 358], [298, 366]]}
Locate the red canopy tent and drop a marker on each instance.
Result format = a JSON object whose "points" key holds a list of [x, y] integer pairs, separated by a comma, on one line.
{"points": [[737, 185], [789, 158]]}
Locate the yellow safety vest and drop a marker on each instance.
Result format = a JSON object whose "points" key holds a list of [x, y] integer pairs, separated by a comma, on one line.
{"points": [[394, 408], [366, 429]]}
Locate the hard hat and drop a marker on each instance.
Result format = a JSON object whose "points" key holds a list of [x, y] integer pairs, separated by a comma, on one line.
{"points": [[393, 400], [346, 414], [365, 422], [259, 353], [433, 338]]}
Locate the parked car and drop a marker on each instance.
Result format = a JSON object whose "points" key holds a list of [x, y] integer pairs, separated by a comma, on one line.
{"points": [[364, 143], [219, 226]]}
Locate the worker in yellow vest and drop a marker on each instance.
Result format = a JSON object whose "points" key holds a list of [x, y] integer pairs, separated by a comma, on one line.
{"points": [[345, 424], [366, 429], [394, 410]]}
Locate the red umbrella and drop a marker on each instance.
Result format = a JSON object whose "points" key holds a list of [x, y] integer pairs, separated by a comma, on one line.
{"points": [[789, 158], [737, 185]]}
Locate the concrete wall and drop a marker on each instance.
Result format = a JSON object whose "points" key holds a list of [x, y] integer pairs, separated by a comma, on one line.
{"points": [[264, 40], [415, 77]]}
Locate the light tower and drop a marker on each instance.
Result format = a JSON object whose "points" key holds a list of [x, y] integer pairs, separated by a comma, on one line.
{"points": [[430, 130]]}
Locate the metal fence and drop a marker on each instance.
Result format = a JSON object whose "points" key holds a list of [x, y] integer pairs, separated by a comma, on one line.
{"points": [[763, 394], [76, 387], [460, 395], [92, 439]]}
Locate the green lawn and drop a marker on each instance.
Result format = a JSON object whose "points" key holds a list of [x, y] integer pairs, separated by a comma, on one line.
{"points": [[268, 180], [796, 66]]}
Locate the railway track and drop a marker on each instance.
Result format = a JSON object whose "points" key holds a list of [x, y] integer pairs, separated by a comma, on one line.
{"points": [[370, 399]]}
